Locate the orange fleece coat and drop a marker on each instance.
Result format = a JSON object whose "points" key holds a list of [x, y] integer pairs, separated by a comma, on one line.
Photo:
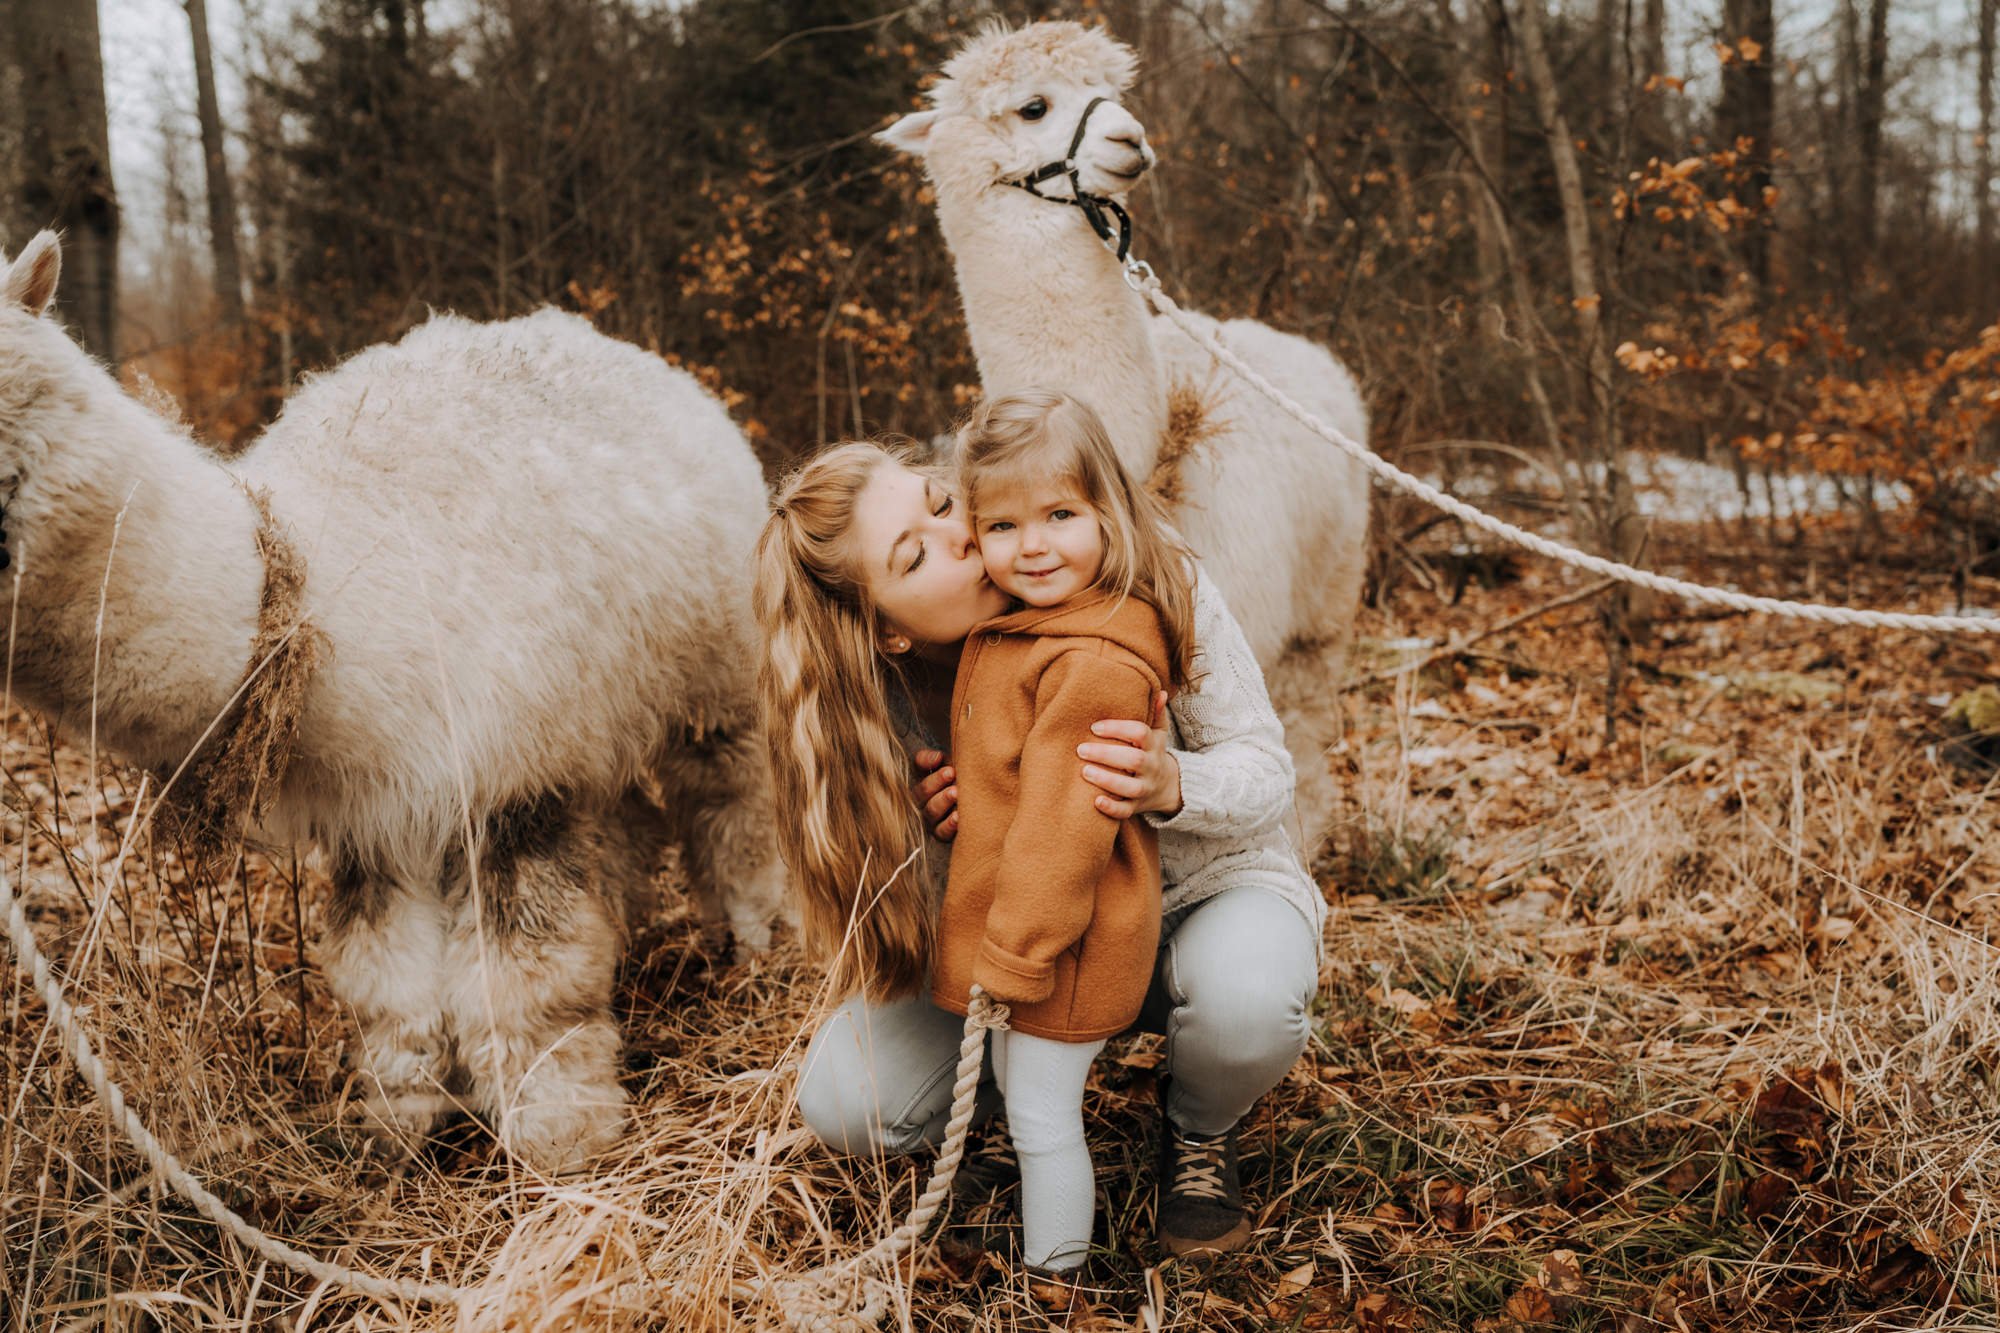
{"points": [[1052, 906]]}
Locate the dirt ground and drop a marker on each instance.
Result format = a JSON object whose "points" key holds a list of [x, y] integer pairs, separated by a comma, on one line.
{"points": [[1696, 1029]]}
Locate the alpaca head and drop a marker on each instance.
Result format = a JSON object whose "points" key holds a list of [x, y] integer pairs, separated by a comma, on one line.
{"points": [[33, 354], [1010, 101]]}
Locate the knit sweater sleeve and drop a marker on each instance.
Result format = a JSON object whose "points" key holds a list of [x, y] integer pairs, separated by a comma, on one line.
{"points": [[1236, 775], [1059, 843]]}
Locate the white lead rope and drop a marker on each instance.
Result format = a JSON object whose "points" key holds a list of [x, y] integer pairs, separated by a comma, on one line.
{"points": [[1139, 275], [824, 1300]]}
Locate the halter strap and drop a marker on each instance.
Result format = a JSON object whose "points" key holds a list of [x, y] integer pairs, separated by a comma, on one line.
{"points": [[1099, 210]]}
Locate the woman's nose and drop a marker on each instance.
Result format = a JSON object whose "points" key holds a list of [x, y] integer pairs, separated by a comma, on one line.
{"points": [[958, 537]]}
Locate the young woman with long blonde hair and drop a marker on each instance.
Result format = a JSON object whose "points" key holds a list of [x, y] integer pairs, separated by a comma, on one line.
{"points": [[868, 582]]}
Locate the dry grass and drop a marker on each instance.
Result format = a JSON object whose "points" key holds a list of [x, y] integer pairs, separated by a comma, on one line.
{"points": [[1696, 1032]]}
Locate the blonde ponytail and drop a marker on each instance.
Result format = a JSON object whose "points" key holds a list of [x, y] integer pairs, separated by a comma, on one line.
{"points": [[847, 826]]}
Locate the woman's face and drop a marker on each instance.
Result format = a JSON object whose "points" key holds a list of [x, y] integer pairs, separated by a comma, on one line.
{"points": [[917, 558]]}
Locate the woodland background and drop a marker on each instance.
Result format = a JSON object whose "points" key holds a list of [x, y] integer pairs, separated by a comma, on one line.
{"points": [[1658, 975]]}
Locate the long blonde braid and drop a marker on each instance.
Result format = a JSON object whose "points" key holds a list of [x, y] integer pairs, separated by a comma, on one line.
{"points": [[849, 829]]}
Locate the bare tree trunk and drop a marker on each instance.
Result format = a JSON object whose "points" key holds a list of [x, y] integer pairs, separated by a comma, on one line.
{"points": [[1618, 520], [1747, 115], [1868, 127], [215, 165], [49, 51], [1651, 127], [1481, 108], [1983, 186]]}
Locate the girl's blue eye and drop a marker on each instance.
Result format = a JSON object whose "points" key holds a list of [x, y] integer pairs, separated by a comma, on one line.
{"points": [[1063, 513]]}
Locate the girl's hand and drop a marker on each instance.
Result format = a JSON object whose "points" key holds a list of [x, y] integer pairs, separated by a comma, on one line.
{"points": [[937, 794], [1133, 765]]}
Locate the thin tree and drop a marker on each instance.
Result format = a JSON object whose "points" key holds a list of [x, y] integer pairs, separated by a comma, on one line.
{"points": [[1620, 528], [62, 175], [1868, 127], [1747, 119], [1983, 186], [215, 164]]}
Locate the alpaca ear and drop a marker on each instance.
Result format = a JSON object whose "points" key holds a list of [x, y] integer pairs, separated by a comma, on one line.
{"points": [[911, 134], [31, 280]]}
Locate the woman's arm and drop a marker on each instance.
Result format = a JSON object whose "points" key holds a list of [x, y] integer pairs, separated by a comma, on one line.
{"points": [[1231, 776]]}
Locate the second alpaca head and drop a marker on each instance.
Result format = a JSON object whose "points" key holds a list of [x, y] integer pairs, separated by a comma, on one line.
{"points": [[1011, 100], [1038, 467]]}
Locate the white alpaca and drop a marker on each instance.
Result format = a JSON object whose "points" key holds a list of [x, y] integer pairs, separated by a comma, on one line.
{"points": [[527, 549], [1278, 515]]}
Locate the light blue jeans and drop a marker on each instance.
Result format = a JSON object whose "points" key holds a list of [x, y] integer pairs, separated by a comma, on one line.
{"points": [[1232, 990]]}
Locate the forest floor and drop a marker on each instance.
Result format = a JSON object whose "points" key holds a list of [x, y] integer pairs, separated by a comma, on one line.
{"points": [[1695, 1029]]}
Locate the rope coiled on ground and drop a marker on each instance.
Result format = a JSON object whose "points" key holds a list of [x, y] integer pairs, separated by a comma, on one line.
{"points": [[840, 1297]]}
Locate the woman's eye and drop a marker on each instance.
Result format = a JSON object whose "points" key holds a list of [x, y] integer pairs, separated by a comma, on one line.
{"points": [[922, 551], [945, 508], [1036, 108]]}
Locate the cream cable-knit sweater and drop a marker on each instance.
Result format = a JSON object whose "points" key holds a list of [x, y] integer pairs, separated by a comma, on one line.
{"points": [[1236, 777]]}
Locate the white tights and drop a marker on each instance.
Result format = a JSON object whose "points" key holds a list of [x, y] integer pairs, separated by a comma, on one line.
{"points": [[1042, 1082]]}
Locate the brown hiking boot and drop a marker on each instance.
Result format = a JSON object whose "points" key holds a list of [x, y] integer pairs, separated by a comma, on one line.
{"points": [[1200, 1211]]}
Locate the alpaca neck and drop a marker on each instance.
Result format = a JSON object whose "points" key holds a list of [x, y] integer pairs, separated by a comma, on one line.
{"points": [[125, 518], [1047, 307]]}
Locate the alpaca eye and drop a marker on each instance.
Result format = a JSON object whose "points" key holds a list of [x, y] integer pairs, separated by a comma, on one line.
{"points": [[1036, 108]]}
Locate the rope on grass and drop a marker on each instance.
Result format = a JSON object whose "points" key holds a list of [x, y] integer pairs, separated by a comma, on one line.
{"points": [[824, 1300], [840, 1297], [163, 1162], [1142, 279]]}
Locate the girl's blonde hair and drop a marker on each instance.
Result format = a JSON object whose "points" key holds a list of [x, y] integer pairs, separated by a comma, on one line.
{"points": [[849, 829], [1040, 434]]}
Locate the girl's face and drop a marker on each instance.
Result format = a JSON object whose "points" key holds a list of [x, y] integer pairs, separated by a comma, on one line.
{"points": [[917, 558], [1041, 540]]}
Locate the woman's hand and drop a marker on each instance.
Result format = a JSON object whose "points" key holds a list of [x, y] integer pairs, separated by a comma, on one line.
{"points": [[1133, 766], [937, 794]]}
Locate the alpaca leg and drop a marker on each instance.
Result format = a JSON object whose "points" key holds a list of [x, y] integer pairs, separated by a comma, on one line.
{"points": [[721, 789], [534, 946], [383, 955], [1305, 691]]}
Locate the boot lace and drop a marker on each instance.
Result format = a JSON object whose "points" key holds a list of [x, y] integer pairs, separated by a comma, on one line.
{"points": [[1198, 1170]]}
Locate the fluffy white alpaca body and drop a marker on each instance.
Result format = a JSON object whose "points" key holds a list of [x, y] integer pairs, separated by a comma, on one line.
{"points": [[1278, 515], [527, 548], [553, 586]]}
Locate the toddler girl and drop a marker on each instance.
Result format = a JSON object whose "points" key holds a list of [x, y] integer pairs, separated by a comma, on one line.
{"points": [[1053, 907]]}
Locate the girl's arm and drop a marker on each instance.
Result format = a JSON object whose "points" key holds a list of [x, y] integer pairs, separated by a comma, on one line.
{"points": [[1056, 850]]}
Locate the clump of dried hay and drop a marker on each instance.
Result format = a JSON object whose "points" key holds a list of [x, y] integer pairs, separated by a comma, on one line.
{"points": [[1191, 423], [228, 782]]}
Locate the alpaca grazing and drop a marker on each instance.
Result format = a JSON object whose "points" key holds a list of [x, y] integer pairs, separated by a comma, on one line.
{"points": [[1278, 515], [525, 551]]}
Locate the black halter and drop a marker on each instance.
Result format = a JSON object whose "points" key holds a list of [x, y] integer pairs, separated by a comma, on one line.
{"points": [[1099, 210]]}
